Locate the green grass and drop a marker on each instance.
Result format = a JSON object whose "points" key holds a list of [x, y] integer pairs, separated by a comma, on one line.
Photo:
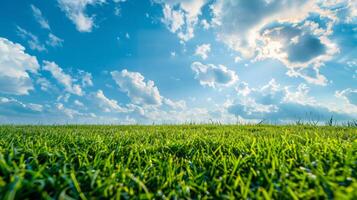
{"points": [[178, 162]]}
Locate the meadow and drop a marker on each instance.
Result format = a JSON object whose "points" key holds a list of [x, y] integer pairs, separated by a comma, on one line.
{"points": [[178, 162]]}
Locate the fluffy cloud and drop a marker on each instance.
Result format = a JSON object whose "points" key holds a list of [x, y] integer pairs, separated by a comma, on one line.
{"points": [[75, 11], [40, 18], [106, 104], [15, 68], [282, 104], [203, 51], [64, 79], [139, 91], [214, 76], [181, 16]]}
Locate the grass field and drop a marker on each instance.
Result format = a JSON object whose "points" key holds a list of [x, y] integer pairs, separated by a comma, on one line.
{"points": [[178, 162]]}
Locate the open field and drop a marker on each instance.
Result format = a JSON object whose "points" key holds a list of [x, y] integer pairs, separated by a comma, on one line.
{"points": [[193, 161]]}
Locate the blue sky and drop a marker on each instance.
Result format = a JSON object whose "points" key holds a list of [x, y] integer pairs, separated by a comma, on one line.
{"points": [[177, 61]]}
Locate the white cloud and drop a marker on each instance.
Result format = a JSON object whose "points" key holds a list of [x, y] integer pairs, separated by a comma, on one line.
{"points": [[45, 84], [75, 11], [65, 97], [352, 63], [349, 95], [176, 105], [214, 76], [54, 41], [243, 89], [299, 96], [181, 16], [78, 103], [86, 78], [106, 104], [64, 79], [74, 115], [32, 40], [205, 24], [117, 9], [39, 17], [139, 91], [237, 59], [173, 19], [34, 43], [203, 50], [71, 113], [15, 68]]}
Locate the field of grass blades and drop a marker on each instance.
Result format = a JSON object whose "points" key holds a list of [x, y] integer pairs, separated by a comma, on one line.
{"points": [[178, 162]]}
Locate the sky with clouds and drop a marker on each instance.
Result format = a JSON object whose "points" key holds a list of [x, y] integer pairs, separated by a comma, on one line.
{"points": [[177, 61]]}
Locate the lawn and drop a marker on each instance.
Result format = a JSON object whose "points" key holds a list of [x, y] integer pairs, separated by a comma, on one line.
{"points": [[178, 162]]}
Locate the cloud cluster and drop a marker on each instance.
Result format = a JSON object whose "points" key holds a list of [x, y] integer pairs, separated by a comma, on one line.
{"points": [[75, 11], [32, 40], [282, 30], [106, 104], [181, 16], [214, 76], [146, 102], [40, 18], [139, 91], [287, 31], [281, 104], [86, 78], [203, 50], [15, 68], [54, 41], [64, 79]]}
